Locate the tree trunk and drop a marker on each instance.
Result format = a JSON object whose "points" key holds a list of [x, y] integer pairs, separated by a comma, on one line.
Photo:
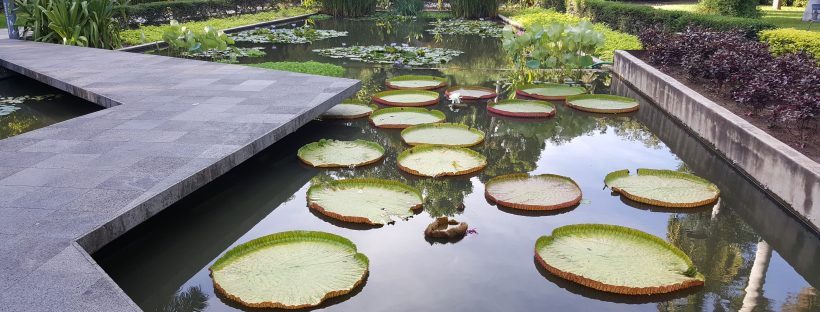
{"points": [[757, 276], [776, 4]]}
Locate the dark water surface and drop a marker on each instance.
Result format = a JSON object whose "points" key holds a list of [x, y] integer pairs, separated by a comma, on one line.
{"points": [[163, 264], [32, 113]]}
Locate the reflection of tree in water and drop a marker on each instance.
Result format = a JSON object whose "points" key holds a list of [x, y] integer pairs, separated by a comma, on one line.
{"points": [[804, 301], [191, 300], [723, 249], [17, 123]]}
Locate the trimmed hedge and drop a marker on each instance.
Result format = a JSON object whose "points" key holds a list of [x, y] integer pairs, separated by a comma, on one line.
{"points": [[191, 10], [632, 18], [789, 40], [310, 67]]}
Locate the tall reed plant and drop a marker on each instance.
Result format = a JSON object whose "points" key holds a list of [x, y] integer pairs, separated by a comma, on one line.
{"points": [[351, 8], [474, 8]]}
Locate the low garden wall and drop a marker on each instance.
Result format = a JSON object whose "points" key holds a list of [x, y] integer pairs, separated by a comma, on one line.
{"points": [[785, 173]]}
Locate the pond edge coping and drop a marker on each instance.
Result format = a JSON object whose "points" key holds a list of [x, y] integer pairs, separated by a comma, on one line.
{"points": [[787, 175]]}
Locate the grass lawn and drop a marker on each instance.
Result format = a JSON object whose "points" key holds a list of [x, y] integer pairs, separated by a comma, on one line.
{"points": [[2, 19], [787, 17]]}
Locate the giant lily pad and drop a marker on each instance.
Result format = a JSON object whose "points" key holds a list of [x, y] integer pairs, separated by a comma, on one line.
{"points": [[522, 108], [665, 188], [540, 192], [471, 93], [403, 117], [416, 82], [437, 161], [602, 103], [349, 110], [369, 201], [332, 153], [406, 98], [290, 270], [549, 91], [616, 259], [449, 134]]}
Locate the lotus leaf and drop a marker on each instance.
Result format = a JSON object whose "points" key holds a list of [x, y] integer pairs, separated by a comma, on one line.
{"points": [[449, 134], [616, 259], [471, 93], [287, 35], [399, 55], [665, 188], [484, 29], [416, 82], [602, 103], [540, 192], [332, 153], [437, 161], [403, 117], [406, 98], [349, 110], [549, 91], [522, 108], [369, 201], [290, 270]]}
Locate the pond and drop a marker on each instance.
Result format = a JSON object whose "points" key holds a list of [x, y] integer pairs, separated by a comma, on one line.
{"points": [[26, 105], [163, 264]]}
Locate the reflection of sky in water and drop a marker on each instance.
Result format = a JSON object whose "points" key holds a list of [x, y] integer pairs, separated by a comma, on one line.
{"points": [[7, 109]]}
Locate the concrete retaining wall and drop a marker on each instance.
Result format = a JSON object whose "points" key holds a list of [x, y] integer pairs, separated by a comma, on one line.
{"points": [[785, 173]]}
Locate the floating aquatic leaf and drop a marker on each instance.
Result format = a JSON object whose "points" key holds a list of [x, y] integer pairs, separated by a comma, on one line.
{"points": [[549, 91], [522, 108], [471, 93], [616, 259], [332, 153], [349, 110], [406, 98], [602, 103], [403, 117], [291, 270], [388, 54], [449, 134], [540, 192], [287, 35], [484, 29], [7, 109], [369, 201], [437, 161], [227, 54], [665, 188], [416, 82]]}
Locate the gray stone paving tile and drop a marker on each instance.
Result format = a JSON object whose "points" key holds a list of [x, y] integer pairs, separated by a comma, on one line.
{"points": [[68, 161], [48, 198], [214, 137], [123, 135], [94, 147], [14, 144], [219, 151], [34, 177], [103, 200], [139, 124], [51, 146], [81, 178], [20, 255], [17, 220], [7, 171]]}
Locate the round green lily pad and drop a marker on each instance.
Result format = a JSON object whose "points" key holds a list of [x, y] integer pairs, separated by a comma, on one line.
{"points": [[349, 110], [616, 259], [602, 103], [540, 192], [403, 117], [549, 91], [406, 98], [437, 161], [416, 82], [333, 153], [290, 270], [665, 188], [369, 201], [471, 93], [449, 134], [522, 108]]}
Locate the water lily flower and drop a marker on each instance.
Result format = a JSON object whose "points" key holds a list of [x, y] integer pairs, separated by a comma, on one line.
{"points": [[293, 25], [344, 44], [393, 44], [455, 98], [481, 19], [398, 63], [405, 45], [472, 231]]}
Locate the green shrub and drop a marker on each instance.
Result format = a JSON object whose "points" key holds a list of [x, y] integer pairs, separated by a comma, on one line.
{"points": [[557, 5], [351, 8], [474, 8], [311, 67], [163, 12], [800, 3], [88, 23], [408, 7], [790, 40], [739, 8]]}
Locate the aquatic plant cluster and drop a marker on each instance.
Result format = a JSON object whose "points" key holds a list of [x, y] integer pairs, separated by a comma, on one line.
{"points": [[7, 103], [304, 34], [481, 28], [392, 54]]}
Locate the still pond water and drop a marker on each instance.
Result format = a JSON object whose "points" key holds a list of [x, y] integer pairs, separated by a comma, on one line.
{"points": [[163, 264]]}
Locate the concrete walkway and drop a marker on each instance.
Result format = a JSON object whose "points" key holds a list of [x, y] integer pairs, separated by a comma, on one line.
{"points": [[173, 125]]}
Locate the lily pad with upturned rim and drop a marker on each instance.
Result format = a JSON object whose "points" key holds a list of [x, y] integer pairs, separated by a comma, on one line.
{"points": [[349, 110], [539, 192], [368, 201], [603, 103], [447, 134], [438, 161], [665, 188], [549, 91], [471, 93], [522, 108], [616, 259], [416, 82], [289, 270], [403, 117], [333, 153], [405, 98]]}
